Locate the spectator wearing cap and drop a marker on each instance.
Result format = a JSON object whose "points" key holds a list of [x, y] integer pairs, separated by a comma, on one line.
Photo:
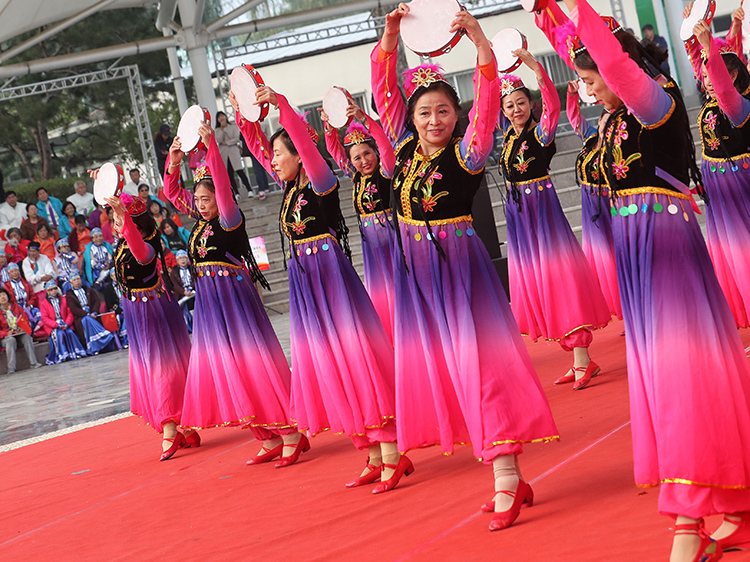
{"points": [[57, 325], [85, 303], [82, 199], [67, 263], [162, 142], [38, 269], [12, 212], [80, 236], [184, 286], [22, 294], [50, 208], [46, 242], [17, 248], [15, 328], [4, 277], [31, 223], [97, 259]]}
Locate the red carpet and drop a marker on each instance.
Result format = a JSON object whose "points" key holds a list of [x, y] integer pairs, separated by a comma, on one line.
{"points": [[100, 494]]}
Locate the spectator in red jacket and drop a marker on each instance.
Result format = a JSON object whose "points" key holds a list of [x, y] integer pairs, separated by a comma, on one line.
{"points": [[15, 327], [17, 248]]}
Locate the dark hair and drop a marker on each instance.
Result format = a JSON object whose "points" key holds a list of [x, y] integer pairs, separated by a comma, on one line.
{"points": [[145, 223], [438, 86], [66, 205], [369, 142], [34, 245], [109, 211], [9, 193], [7, 294], [647, 27], [281, 133], [208, 183], [38, 189], [171, 223], [134, 170], [217, 117], [14, 230], [154, 202], [80, 219], [28, 208], [43, 226], [733, 62], [143, 185]]}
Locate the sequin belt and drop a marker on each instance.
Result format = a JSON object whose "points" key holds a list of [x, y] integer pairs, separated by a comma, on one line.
{"points": [[629, 202]]}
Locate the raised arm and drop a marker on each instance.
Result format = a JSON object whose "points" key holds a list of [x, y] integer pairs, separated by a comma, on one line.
{"points": [[731, 102], [693, 49], [556, 26], [256, 140], [336, 150], [547, 126], [583, 128], [142, 251], [179, 196], [734, 36], [387, 155], [229, 212]]}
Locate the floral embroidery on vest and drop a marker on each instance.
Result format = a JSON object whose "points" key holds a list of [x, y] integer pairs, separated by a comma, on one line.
{"points": [[368, 200], [203, 240], [428, 199], [298, 226], [621, 166], [521, 163], [710, 131]]}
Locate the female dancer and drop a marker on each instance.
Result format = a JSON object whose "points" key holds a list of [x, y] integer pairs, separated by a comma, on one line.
{"points": [[367, 157], [238, 373], [342, 361], [57, 321], [546, 264], [723, 123], [462, 370], [690, 430]]}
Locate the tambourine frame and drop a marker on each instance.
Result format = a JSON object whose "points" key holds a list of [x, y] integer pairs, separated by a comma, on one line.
{"points": [[518, 62], [448, 47], [349, 98], [708, 17], [258, 79], [118, 188], [199, 146]]}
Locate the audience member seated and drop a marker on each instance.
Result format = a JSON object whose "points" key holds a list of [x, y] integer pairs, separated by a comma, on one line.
{"points": [[67, 222], [15, 328], [175, 236], [86, 305], [97, 259], [57, 322], [46, 242], [184, 287], [38, 269], [107, 227], [67, 264], [12, 212], [156, 211], [169, 259], [82, 199], [113, 301], [80, 236], [22, 294], [4, 277], [135, 180], [31, 223], [50, 209], [17, 248], [98, 217], [143, 193]]}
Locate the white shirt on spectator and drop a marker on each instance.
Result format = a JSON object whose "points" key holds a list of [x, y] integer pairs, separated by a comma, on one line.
{"points": [[43, 267], [12, 217], [84, 203], [131, 187]]}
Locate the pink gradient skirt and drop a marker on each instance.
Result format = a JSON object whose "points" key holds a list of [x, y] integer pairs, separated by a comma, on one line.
{"points": [[378, 238]]}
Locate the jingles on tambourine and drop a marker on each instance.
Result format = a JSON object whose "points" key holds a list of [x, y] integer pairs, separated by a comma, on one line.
{"points": [[187, 131], [245, 81], [426, 28], [335, 103], [503, 44], [702, 10], [108, 183], [532, 6]]}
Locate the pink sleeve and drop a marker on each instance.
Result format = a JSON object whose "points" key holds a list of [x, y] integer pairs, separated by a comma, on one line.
{"points": [[731, 102], [180, 197], [547, 127], [734, 40], [228, 209], [388, 100], [478, 140], [142, 251], [693, 50], [257, 143], [337, 152], [318, 172], [547, 20], [646, 99], [583, 128], [387, 156]]}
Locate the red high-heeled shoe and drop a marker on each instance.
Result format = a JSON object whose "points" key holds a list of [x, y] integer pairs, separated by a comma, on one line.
{"points": [[268, 456], [528, 501], [504, 519], [193, 440], [566, 378], [590, 372], [404, 467], [302, 447], [740, 538], [177, 442], [709, 550], [369, 478]]}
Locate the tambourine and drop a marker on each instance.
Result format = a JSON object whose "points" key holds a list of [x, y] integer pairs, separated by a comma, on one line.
{"points": [[583, 93], [108, 183], [702, 10], [532, 6], [335, 103], [426, 28], [245, 81], [503, 44], [187, 131]]}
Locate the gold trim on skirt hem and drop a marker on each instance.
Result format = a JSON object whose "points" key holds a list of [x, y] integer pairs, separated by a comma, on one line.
{"points": [[693, 483]]}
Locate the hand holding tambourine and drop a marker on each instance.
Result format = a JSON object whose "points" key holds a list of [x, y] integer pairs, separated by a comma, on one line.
{"points": [[687, 10], [469, 24], [175, 153], [703, 34], [573, 88], [118, 207], [355, 112], [393, 19], [206, 132], [528, 59], [264, 94]]}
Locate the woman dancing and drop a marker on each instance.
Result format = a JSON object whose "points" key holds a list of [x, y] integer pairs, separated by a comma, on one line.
{"points": [[367, 157], [463, 373], [690, 431], [238, 373], [342, 360], [553, 290]]}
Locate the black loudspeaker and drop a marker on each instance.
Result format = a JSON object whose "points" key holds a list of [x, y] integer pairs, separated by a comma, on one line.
{"points": [[484, 225]]}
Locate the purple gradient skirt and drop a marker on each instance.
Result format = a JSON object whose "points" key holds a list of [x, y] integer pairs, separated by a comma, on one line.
{"points": [[463, 374], [598, 244], [688, 375], [378, 239], [552, 288], [238, 373], [728, 231], [342, 359], [159, 356]]}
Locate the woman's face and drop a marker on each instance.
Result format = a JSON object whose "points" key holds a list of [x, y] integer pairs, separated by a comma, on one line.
{"points": [[118, 223], [435, 118], [3, 298], [364, 158], [52, 291], [284, 163], [595, 86], [154, 209], [143, 192], [32, 211], [221, 119], [205, 202], [98, 239], [70, 211], [517, 108], [168, 230], [43, 233]]}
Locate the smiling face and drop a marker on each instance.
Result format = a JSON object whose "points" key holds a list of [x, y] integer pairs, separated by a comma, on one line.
{"points": [[435, 118], [167, 228], [98, 238], [595, 86], [285, 163], [4, 298], [364, 158], [14, 273], [42, 195], [205, 202], [183, 261], [517, 108]]}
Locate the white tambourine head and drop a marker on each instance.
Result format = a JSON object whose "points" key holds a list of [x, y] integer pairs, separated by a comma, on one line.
{"points": [[426, 28], [244, 87], [106, 183]]}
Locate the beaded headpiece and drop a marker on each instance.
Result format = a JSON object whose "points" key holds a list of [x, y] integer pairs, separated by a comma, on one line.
{"points": [[50, 285], [724, 48], [356, 134], [202, 173], [422, 76], [573, 42], [11, 265], [180, 254], [509, 83], [134, 205]]}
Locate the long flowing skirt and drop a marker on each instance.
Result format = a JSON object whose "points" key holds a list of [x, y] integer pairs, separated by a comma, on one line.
{"points": [[688, 375], [238, 373], [64, 345], [463, 374], [342, 360], [159, 355], [553, 291], [97, 338], [598, 245], [378, 238], [728, 231]]}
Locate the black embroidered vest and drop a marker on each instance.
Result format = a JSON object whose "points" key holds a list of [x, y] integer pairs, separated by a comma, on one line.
{"points": [[211, 244], [306, 214], [719, 139], [371, 194], [531, 158], [132, 275]]}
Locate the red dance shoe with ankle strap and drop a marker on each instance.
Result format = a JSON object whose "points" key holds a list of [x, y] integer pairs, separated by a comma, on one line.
{"points": [[302, 447], [528, 501], [193, 440], [567, 377], [504, 519], [404, 467], [177, 442], [709, 550], [369, 478], [590, 372], [740, 539], [268, 456]]}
